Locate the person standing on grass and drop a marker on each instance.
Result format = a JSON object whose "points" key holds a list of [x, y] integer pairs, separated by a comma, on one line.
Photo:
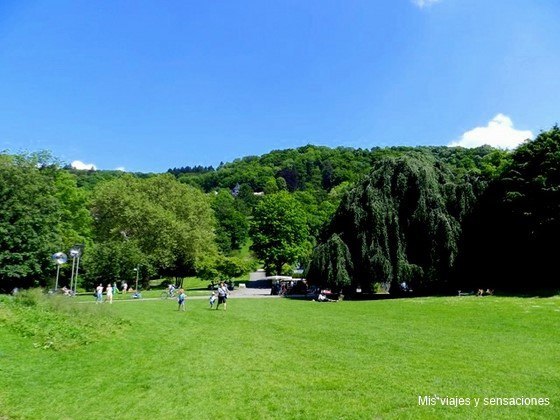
{"points": [[124, 287], [99, 293], [109, 293], [212, 300], [222, 295], [181, 299]]}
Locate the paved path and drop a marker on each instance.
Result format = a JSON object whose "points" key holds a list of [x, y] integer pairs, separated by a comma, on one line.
{"points": [[250, 292]]}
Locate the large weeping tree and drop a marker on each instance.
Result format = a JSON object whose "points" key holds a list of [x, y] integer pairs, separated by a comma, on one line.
{"points": [[400, 225], [332, 264]]}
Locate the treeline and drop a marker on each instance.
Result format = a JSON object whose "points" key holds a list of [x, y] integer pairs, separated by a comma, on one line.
{"points": [[198, 169], [418, 224], [320, 169], [427, 219]]}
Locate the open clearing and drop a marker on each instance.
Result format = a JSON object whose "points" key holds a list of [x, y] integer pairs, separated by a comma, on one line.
{"points": [[281, 358]]}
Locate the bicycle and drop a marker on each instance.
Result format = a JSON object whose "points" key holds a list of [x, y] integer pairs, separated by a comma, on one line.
{"points": [[168, 294]]}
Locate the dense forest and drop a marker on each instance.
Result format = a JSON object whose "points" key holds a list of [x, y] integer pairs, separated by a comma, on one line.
{"points": [[400, 219]]}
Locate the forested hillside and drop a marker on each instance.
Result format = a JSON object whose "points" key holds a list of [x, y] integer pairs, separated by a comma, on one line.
{"points": [[397, 219]]}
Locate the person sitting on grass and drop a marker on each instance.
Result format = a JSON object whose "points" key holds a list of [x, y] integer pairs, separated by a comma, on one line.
{"points": [[323, 298]]}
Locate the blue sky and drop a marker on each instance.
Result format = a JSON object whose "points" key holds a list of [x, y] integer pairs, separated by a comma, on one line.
{"points": [[150, 85]]}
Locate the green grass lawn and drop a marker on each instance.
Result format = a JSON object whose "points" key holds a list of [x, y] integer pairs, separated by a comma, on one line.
{"points": [[281, 358]]}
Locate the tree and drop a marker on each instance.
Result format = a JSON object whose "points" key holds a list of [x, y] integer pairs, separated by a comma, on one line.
{"points": [[230, 267], [113, 261], [169, 222], [75, 222], [29, 218], [331, 264], [232, 229], [517, 222], [279, 231], [400, 224]]}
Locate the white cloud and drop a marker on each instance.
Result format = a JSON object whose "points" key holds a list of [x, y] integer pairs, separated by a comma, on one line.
{"points": [[424, 3], [120, 168], [498, 133], [78, 164]]}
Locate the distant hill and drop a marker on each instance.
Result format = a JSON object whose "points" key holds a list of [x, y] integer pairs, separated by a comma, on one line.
{"points": [[319, 168]]}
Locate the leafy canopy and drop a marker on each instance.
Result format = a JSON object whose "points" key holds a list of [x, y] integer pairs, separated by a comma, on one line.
{"points": [[279, 231]]}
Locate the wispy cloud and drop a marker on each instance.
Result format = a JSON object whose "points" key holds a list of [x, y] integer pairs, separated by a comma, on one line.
{"points": [[498, 133], [78, 164], [424, 3], [120, 168]]}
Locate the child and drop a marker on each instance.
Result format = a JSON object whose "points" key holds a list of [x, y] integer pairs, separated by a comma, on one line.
{"points": [[181, 300], [212, 299]]}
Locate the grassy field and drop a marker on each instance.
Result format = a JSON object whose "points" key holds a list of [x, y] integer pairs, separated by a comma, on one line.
{"points": [[281, 358]]}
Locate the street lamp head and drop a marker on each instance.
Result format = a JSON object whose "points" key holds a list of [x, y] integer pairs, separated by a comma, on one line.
{"points": [[76, 251], [60, 258]]}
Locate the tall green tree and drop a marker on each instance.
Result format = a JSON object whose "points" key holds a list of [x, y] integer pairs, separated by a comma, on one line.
{"points": [[30, 214], [75, 224], [331, 264], [232, 229], [279, 232], [517, 224], [400, 225], [169, 222]]}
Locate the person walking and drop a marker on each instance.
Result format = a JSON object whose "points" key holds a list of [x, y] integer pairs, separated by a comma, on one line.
{"points": [[212, 300], [109, 293], [181, 299], [222, 295], [99, 293]]}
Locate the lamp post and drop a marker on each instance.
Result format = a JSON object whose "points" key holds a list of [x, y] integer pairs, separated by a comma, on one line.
{"points": [[75, 253], [137, 269], [59, 258]]}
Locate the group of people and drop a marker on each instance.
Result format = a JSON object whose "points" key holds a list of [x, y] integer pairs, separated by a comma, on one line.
{"points": [[108, 293], [110, 290], [221, 295], [482, 292]]}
